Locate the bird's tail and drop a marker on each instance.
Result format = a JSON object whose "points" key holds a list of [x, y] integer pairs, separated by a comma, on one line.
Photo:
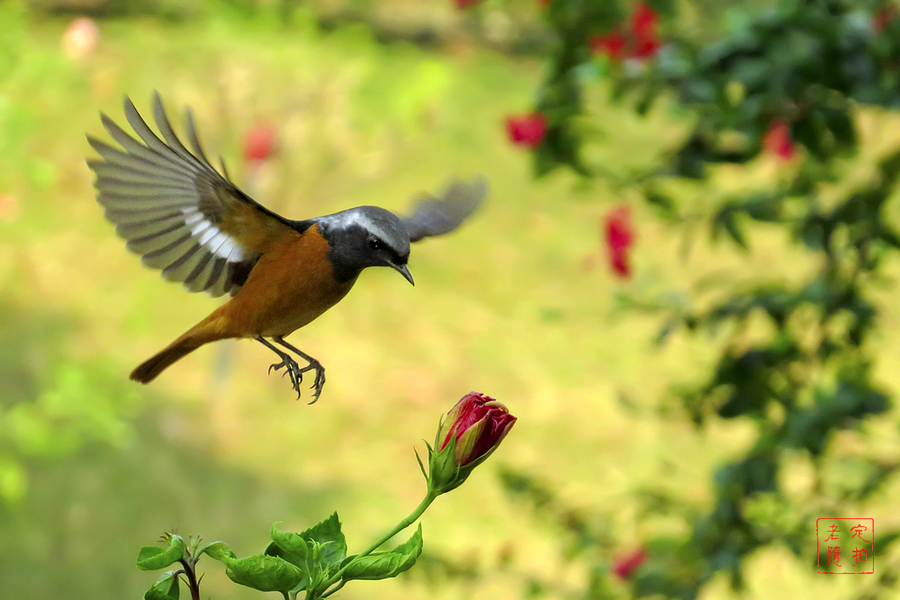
{"points": [[159, 362]]}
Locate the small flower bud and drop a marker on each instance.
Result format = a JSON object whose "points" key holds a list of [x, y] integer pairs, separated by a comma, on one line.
{"points": [[472, 430], [260, 143], [777, 140], [619, 239], [526, 130], [624, 566]]}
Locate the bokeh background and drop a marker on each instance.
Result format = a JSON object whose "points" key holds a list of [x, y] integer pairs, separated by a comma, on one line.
{"points": [[369, 103]]}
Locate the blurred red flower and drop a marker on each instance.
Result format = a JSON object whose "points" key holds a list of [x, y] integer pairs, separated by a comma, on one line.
{"points": [[777, 140], [463, 4], [624, 566], [619, 239], [643, 20], [645, 48], [641, 41], [526, 130], [612, 44], [883, 16], [259, 143]]}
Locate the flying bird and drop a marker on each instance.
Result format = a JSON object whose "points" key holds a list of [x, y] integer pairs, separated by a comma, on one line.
{"points": [[184, 217]]}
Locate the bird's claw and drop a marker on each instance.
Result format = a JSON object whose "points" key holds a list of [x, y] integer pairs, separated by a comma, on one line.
{"points": [[292, 369], [319, 383], [295, 372]]}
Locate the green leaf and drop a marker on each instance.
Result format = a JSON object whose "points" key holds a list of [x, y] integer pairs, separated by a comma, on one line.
{"points": [[383, 565], [763, 207], [292, 545], [217, 550], [164, 589], [264, 573], [662, 201], [808, 130], [328, 535], [726, 219], [885, 540], [317, 552], [840, 123], [151, 558]]}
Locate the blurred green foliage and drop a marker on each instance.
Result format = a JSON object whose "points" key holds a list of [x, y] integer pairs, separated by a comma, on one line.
{"points": [[797, 363]]}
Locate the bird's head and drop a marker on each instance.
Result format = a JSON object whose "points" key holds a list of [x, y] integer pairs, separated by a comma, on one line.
{"points": [[365, 236]]}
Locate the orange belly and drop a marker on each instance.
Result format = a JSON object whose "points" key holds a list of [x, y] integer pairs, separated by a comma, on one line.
{"points": [[290, 286]]}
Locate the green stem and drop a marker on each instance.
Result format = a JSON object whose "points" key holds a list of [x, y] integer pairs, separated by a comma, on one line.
{"points": [[333, 589], [412, 518]]}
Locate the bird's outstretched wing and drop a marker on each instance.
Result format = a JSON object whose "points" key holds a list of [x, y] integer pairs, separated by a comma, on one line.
{"points": [[442, 214], [176, 210]]}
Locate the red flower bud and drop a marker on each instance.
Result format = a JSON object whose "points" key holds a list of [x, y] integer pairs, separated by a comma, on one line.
{"points": [[619, 238], [259, 143], [778, 140], [624, 566], [469, 433], [478, 423], [526, 130]]}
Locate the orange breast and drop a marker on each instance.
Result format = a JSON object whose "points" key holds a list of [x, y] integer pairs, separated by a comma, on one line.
{"points": [[291, 285]]}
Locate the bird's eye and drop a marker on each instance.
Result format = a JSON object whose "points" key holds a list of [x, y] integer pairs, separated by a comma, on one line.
{"points": [[374, 244]]}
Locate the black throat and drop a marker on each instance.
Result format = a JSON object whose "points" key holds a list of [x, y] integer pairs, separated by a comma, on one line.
{"points": [[345, 252]]}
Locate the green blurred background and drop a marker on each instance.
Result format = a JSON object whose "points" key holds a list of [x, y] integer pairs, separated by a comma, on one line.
{"points": [[373, 102]]}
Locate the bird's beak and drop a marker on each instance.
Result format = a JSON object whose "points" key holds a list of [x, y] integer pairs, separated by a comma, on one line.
{"points": [[403, 271]]}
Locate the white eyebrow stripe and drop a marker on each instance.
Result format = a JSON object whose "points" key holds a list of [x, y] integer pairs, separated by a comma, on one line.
{"points": [[348, 218]]}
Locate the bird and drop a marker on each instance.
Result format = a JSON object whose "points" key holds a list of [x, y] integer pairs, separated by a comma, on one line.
{"points": [[189, 220]]}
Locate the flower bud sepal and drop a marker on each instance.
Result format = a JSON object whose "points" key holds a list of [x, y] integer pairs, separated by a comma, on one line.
{"points": [[443, 474]]}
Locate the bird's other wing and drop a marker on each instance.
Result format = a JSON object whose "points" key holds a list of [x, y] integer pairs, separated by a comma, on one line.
{"points": [[437, 215], [175, 210]]}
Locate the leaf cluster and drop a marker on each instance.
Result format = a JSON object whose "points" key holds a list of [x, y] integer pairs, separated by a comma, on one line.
{"points": [[314, 561]]}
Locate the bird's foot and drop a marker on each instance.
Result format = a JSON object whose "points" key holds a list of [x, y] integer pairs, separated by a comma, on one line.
{"points": [[295, 372], [292, 369], [319, 383]]}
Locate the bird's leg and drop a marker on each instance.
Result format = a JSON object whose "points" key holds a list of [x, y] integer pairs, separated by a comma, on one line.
{"points": [[287, 362], [319, 383]]}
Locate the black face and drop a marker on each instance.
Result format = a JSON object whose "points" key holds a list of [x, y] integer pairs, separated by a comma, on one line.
{"points": [[354, 249], [365, 236], [383, 254]]}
